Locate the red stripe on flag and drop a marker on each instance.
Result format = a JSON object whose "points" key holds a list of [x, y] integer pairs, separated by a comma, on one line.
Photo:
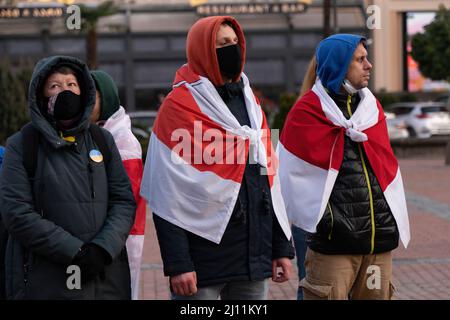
{"points": [[379, 151], [272, 160], [208, 147], [310, 136], [338, 150], [134, 169], [185, 74]]}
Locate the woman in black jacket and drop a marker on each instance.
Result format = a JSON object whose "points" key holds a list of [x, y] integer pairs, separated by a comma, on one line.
{"points": [[68, 223]]}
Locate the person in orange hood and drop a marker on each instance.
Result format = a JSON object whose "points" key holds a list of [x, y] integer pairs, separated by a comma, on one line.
{"points": [[221, 225]]}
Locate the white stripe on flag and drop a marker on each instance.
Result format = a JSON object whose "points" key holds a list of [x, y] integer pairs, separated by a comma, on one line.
{"points": [[177, 193], [279, 207], [395, 197], [135, 245], [302, 187]]}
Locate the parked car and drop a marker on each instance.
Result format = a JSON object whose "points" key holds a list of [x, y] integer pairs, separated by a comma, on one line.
{"points": [[142, 120], [140, 133], [422, 119], [141, 126], [396, 127], [445, 98]]}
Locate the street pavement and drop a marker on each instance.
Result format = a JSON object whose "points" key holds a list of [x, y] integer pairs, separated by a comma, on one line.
{"points": [[422, 271]]}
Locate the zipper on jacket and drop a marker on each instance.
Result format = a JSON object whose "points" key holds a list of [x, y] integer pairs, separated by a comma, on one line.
{"points": [[369, 187], [91, 180], [26, 265], [332, 221]]}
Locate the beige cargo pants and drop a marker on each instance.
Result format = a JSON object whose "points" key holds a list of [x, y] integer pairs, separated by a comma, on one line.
{"points": [[342, 277]]}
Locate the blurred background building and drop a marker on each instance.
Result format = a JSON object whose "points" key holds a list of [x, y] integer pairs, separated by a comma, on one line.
{"points": [[143, 44], [395, 70]]}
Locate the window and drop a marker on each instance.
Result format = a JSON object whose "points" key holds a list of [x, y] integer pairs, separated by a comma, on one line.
{"points": [[433, 109], [399, 111]]}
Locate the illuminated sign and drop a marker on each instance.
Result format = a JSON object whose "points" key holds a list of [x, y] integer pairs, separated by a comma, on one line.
{"points": [[209, 9], [41, 12], [38, 2], [197, 2]]}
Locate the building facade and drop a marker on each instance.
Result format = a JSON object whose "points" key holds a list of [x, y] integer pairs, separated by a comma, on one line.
{"points": [[144, 43]]}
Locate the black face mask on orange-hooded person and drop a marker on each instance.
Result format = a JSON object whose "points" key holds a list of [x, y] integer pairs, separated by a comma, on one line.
{"points": [[230, 60]]}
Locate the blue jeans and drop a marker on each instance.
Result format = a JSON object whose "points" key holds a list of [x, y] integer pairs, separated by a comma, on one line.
{"points": [[300, 251], [241, 290]]}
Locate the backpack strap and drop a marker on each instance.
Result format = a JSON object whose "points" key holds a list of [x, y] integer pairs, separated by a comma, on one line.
{"points": [[30, 146], [100, 140]]}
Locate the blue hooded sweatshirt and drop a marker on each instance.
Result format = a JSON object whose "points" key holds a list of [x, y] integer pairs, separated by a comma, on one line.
{"points": [[333, 56]]}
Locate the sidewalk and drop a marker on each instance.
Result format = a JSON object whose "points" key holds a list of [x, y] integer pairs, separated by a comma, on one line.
{"points": [[421, 272]]}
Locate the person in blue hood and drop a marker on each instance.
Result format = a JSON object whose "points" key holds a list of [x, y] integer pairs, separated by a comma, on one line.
{"points": [[349, 255], [334, 68]]}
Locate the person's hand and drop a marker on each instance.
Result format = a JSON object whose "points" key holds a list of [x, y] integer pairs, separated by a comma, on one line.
{"points": [[286, 269], [184, 284], [92, 260]]}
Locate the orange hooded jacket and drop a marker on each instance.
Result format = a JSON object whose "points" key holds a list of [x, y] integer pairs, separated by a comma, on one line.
{"points": [[201, 47]]}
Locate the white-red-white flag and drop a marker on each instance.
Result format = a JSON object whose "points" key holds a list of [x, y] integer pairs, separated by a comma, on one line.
{"points": [[311, 150]]}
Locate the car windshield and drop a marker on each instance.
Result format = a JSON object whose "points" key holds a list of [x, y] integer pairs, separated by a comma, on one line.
{"points": [[442, 99], [433, 109], [143, 122], [398, 111]]}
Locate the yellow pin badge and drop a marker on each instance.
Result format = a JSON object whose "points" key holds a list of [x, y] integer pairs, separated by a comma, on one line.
{"points": [[96, 155]]}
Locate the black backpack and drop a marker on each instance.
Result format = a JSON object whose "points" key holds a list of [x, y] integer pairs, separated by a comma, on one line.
{"points": [[30, 150]]}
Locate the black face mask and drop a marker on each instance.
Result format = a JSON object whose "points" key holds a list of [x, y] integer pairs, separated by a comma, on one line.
{"points": [[230, 60], [67, 106]]}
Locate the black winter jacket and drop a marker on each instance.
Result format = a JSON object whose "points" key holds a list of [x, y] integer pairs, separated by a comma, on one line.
{"points": [[349, 226], [72, 200], [252, 239]]}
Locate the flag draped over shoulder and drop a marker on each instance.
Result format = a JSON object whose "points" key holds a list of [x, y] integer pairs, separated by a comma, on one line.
{"points": [[311, 151], [197, 156], [119, 125]]}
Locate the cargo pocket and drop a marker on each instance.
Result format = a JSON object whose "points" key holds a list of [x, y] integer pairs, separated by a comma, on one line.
{"points": [[314, 291]]}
